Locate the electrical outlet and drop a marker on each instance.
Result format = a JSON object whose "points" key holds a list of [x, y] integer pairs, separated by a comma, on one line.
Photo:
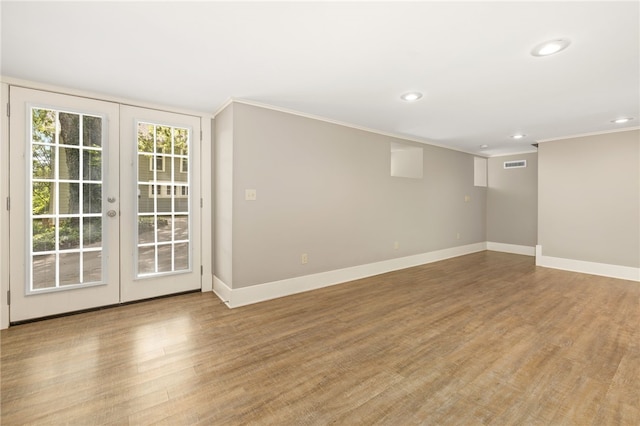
{"points": [[458, 236], [250, 194], [396, 245], [467, 198], [304, 258]]}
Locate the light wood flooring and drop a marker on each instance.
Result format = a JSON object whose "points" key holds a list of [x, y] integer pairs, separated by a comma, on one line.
{"points": [[486, 338]]}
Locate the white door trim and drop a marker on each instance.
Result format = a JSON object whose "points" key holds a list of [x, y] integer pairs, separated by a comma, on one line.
{"points": [[4, 213]]}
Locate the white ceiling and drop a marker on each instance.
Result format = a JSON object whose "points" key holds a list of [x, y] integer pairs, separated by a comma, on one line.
{"points": [[349, 62]]}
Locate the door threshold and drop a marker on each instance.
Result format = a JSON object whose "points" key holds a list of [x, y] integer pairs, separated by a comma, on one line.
{"points": [[99, 308]]}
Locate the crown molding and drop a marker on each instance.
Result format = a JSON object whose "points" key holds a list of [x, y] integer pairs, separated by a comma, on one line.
{"points": [[343, 124], [582, 135]]}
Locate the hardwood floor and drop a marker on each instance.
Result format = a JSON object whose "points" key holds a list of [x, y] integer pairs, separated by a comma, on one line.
{"points": [[486, 338]]}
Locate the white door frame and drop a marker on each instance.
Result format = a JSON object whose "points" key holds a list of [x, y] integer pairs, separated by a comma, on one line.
{"points": [[4, 213], [206, 159]]}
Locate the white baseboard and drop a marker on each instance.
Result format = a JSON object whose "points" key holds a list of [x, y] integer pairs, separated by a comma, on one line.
{"points": [[594, 268], [235, 297], [221, 290], [511, 248]]}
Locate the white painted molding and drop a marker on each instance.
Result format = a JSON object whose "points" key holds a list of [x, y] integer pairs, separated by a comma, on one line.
{"points": [[363, 128], [206, 195], [582, 135], [221, 108], [206, 283], [509, 154], [4, 214], [272, 290], [511, 248], [342, 123], [221, 290], [593, 268]]}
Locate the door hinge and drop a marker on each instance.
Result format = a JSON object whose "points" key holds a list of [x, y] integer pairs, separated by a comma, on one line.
{"points": [[8, 109], [200, 135], [8, 297], [201, 203], [201, 270], [8, 203]]}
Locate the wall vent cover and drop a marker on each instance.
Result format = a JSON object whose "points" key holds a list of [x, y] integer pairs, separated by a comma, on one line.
{"points": [[515, 164]]}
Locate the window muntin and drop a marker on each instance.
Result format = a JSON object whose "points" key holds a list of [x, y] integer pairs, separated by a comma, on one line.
{"points": [[163, 205], [65, 198]]}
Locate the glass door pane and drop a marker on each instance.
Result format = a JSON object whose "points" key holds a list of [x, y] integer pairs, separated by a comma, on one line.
{"points": [[66, 193], [163, 202]]}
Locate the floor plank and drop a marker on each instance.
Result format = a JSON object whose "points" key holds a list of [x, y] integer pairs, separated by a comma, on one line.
{"points": [[487, 338]]}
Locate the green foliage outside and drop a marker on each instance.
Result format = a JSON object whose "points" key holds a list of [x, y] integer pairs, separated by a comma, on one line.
{"points": [[44, 234], [163, 139], [46, 125]]}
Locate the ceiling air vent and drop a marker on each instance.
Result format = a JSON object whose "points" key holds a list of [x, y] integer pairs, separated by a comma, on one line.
{"points": [[515, 164]]}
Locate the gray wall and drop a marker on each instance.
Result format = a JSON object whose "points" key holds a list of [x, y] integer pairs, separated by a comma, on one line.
{"points": [[326, 190], [589, 198], [223, 195], [512, 201]]}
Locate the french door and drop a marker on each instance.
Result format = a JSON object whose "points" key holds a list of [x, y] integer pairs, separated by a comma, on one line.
{"points": [[159, 203], [102, 208]]}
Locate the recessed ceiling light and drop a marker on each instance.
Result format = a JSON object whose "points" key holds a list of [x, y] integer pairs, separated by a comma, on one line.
{"points": [[550, 47], [622, 120], [518, 136], [411, 96], [484, 146]]}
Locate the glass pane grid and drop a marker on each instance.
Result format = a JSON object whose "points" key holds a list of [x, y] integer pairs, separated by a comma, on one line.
{"points": [[162, 237], [66, 199]]}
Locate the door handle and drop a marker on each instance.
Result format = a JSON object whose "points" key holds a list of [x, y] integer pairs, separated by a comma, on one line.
{"points": [[112, 213]]}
